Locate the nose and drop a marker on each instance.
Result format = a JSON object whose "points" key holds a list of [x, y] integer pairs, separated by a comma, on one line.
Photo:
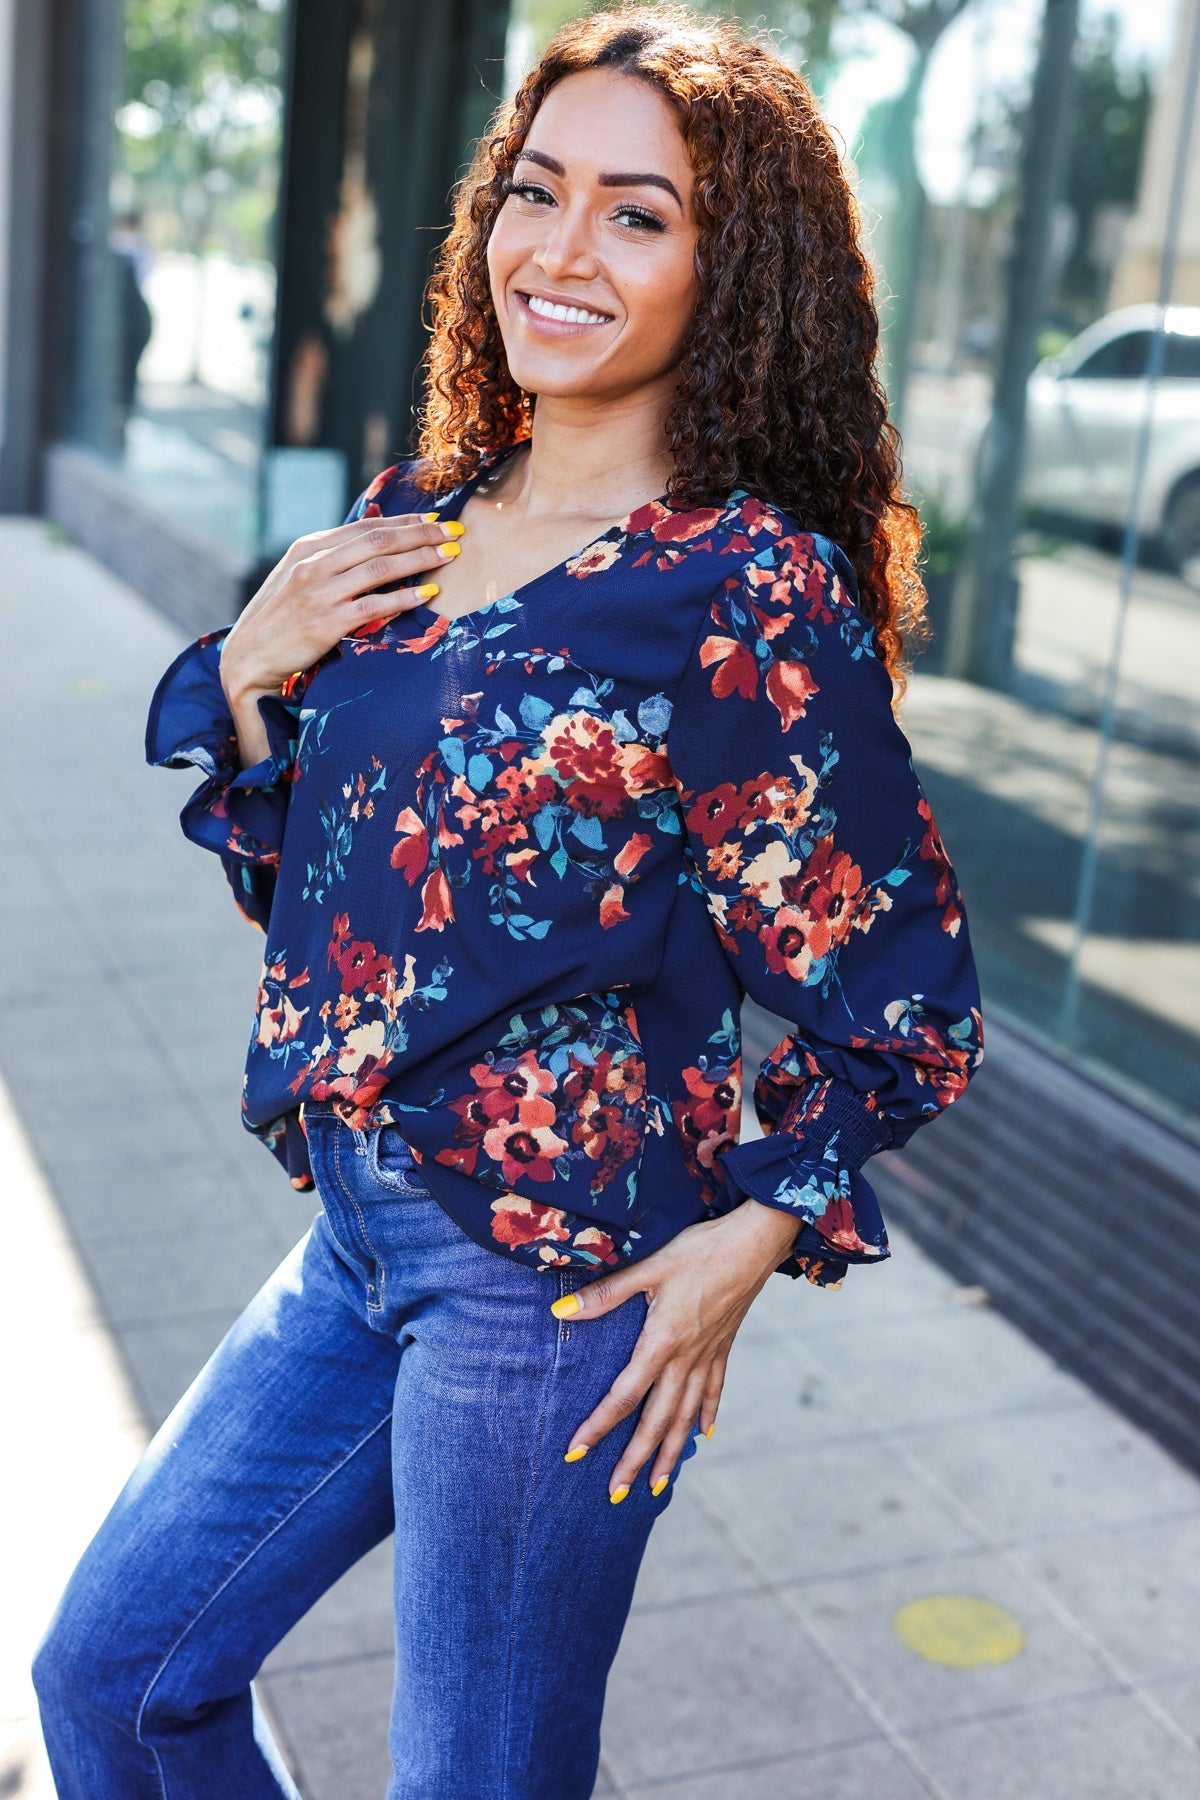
{"points": [[566, 247]]}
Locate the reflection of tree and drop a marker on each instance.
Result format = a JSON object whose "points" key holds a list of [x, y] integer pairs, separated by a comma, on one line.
{"points": [[1110, 110], [199, 128]]}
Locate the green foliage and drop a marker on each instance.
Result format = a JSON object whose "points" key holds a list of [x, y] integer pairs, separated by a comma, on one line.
{"points": [[199, 130]]}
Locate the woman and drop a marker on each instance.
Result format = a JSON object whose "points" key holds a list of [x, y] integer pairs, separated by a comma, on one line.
{"points": [[540, 838]]}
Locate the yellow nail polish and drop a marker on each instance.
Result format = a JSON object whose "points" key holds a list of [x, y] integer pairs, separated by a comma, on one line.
{"points": [[618, 1494], [566, 1305], [429, 518], [453, 527], [575, 1454], [449, 549], [428, 589], [659, 1485], [711, 1429]]}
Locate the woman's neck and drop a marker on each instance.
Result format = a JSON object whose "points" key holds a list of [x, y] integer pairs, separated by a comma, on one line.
{"points": [[590, 462]]}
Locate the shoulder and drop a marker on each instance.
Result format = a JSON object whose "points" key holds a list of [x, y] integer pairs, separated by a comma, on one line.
{"points": [[782, 591]]}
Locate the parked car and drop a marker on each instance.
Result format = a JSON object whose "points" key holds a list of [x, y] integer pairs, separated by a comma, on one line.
{"points": [[1085, 409]]}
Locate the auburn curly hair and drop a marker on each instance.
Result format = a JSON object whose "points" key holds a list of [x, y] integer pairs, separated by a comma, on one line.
{"points": [[777, 390]]}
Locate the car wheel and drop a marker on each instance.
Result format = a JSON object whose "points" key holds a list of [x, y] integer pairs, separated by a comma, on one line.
{"points": [[1181, 529]]}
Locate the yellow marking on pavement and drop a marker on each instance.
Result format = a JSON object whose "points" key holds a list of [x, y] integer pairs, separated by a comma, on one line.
{"points": [[960, 1631]]}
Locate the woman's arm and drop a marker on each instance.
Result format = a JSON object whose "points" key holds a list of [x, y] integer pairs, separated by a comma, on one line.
{"points": [[813, 844]]}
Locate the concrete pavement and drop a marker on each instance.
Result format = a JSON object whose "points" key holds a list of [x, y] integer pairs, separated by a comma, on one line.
{"points": [[877, 1450]]}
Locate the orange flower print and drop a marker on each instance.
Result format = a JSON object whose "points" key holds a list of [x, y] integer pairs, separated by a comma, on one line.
{"points": [[738, 671], [595, 559], [789, 688], [411, 854], [612, 907], [520, 1221], [438, 903], [524, 1149]]}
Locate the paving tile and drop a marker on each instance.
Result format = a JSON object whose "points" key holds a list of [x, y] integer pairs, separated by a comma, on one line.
{"points": [[867, 1770], [854, 1618], [107, 1198], [148, 1280], [688, 1557], [1179, 1697], [777, 1395], [951, 1362], [700, 1686], [164, 1358], [1137, 1590], [353, 1618], [332, 1723], [828, 1509], [1097, 1748], [1053, 1471]]}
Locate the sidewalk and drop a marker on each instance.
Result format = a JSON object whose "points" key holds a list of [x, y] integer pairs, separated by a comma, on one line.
{"points": [[876, 1448]]}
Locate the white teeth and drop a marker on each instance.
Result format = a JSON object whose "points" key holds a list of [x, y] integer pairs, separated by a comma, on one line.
{"points": [[572, 315]]}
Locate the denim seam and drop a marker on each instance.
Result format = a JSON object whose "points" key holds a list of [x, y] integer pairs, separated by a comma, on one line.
{"points": [[304, 1499], [520, 1577], [381, 1274]]}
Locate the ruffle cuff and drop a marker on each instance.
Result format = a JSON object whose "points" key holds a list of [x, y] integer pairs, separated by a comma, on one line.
{"points": [[239, 812], [809, 1164]]}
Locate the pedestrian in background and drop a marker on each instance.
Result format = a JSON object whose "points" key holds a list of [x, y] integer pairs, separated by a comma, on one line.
{"points": [[517, 857]]}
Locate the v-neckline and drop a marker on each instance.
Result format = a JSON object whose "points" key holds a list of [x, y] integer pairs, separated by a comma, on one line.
{"points": [[451, 506]]}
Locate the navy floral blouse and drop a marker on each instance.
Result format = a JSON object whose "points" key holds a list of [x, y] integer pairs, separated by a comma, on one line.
{"points": [[517, 868]]}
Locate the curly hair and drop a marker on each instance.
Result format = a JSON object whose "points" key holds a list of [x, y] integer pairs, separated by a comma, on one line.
{"points": [[777, 389]]}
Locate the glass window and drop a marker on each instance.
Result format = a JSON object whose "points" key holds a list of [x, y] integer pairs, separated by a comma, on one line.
{"points": [[1121, 359], [177, 304]]}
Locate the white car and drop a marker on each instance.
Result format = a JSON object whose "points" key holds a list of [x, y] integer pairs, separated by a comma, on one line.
{"points": [[1085, 409]]}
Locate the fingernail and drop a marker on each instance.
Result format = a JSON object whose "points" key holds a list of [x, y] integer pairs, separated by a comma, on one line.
{"points": [[575, 1454], [659, 1485], [618, 1494], [428, 589], [711, 1429], [449, 549], [566, 1305], [453, 527], [430, 518]]}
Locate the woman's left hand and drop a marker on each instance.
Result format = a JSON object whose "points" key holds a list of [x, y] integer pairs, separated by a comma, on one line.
{"points": [[700, 1288]]}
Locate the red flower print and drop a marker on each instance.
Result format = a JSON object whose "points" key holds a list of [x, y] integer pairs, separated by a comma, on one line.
{"points": [[585, 756], [738, 673], [411, 854], [521, 1221], [837, 1224], [360, 965], [789, 688], [829, 892], [785, 941], [714, 815], [598, 1242], [631, 854], [612, 908], [523, 1149], [438, 903]]}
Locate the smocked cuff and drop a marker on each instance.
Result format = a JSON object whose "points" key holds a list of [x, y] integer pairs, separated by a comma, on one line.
{"points": [[809, 1165], [237, 811]]}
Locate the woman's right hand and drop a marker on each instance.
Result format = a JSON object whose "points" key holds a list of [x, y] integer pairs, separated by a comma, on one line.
{"points": [[323, 588]]}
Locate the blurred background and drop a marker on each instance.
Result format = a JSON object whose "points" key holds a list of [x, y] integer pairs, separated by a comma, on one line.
{"points": [[216, 220]]}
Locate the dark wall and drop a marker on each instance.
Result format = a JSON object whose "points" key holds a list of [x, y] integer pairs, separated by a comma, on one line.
{"points": [[386, 98]]}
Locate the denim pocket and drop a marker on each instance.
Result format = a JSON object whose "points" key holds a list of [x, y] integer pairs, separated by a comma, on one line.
{"points": [[391, 1163]]}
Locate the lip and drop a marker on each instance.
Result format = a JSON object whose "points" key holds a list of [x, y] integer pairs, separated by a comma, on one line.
{"points": [[557, 327]]}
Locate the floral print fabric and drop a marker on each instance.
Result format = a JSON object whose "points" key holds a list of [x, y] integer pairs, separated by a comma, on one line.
{"points": [[516, 870]]}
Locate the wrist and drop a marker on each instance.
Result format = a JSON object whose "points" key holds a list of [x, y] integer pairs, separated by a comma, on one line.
{"points": [[776, 1229]]}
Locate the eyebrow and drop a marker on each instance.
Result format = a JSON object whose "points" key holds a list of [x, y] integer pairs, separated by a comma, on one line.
{"points": [[615, 180]]}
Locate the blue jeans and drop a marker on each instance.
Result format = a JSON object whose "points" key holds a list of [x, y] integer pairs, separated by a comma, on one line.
{"points": [[391, 1374]]}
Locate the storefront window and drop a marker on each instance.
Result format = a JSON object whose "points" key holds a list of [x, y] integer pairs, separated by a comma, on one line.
{"points": [[177, 317]]}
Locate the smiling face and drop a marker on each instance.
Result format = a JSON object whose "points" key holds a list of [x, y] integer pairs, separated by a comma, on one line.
{"points": [[592, 256]]}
